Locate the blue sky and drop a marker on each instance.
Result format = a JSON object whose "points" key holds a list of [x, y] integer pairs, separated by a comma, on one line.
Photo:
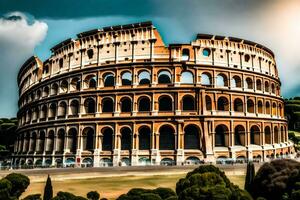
{"points": [[42, 24]]}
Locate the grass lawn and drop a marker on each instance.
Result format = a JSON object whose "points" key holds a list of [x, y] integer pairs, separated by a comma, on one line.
{"points": [[112, 187]]}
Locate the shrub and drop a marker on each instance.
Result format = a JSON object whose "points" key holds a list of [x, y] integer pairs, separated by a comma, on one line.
{"points": [[33, 197], [19, 184], [93, 195], [249, 176], [67, 196], [147, 194], [48, 191], [5, 188], [277, 179]]}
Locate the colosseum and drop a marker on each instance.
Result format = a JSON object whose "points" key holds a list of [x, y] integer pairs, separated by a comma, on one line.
{"points": [[119, 96]]}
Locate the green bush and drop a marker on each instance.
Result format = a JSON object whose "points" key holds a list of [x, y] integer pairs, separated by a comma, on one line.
{"points": [[93, 195], [5, 188], [147, 194], [67, 196], [19, 184], [33, 197]]}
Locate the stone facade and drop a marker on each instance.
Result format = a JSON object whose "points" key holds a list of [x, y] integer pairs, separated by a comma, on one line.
{"points": [[120, 96]]}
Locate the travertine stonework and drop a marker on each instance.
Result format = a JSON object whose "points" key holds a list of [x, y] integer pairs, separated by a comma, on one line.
{"points": [[120, 96]]}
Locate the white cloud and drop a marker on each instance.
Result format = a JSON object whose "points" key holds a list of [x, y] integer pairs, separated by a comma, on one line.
{"points": [[18, 38]]}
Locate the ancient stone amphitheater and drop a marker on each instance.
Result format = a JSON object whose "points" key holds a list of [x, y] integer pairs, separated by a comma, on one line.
{"points": [[119, 96]]}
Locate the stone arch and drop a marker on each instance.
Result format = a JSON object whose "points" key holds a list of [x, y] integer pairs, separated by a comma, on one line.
{"points": [[107, 105], [185, 55], [206, 79], [88, 139], [239, 135], [144, 77], [221, 136], [108, 79], [276, 135], [46, 91], [268, 109], [89, 105], [188, 103], [60, 140], [41, 142], [75, 84], [282, 135], [107, 139], [274, 109], [192, 137], [72, 140], [126, 77], [166, 138], [32, 145], [223, 104], [62, 109], [222, 80], [267, 87], [43, 113], [248, 83], [126, 104], [54, 89], [52, 110], [90, 81], [165, 103], [187, 77], [144, 104], [64, 86], [268, 137], [250, 106], [260, 106], [238, 105], [164, 77], [144, 138], [255, 135], [258, 85], [50, 142], [236, 82], [126, 138], [74, 107], [208, 102]]}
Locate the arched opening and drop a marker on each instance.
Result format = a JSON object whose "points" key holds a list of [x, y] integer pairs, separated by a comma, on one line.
{"points": [[41, 142], [87, 162], [89, 106], [282, 135], [72, 140], [223, 104], [188, 103], [273, 88], [239, 135], [268, 135], [187, 77], [276, 135], [166, 138], [236, 82], [192, 160], [108, 79], [222, 80], [125, 162], [46, 91], [26, 143], [52, 110], [61, 63], [74, 108], [191, 137], [126, 138], [206, 79], [126, 105], [221, 136], [54, 89], [144, 104], [107, 140], [75, 84], [267, 89], [32, 144], [62, 109], [274, 109], [255, 135], [259, 107], [90, 53], [88, 139], [64, 86], [167, 162], [238, 105], [185, 56], [279, 112], [249, 83], [60, 141], [268, 110], [208, 103], [144, 138], [126, 78], [50, 142], [106, 162], [164, 77], [258, 84], [144, 78], [250, 106], [165, 103], [107, 105]]}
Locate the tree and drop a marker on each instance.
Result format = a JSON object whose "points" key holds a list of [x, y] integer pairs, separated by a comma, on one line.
{"points": [[250, 174], [19, 184], [208, 182], [93, 195], [67, 196], [5, 188], [279, 179], [48, 191], [147, 194], [33, 197]]}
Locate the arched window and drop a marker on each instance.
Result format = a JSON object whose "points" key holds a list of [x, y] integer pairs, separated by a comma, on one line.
{"points": [[108, 79], [249, 83], [52, 110], [187, 77], [54, 89], [107, 141], [91, 81], [46, 91], [126, 105], [126, 78], [72, 140], [250, 106], [279, 112], [274, 109], [222, 80], [185, 55], [208, 103], [62, 109], [165, 103], [258, 84], [282, 135], [238, 105], [164, 77], [268, 109], [32, 143], [126, 138], [75, 84], [276, 135], [74, 108], [144, 138], [166, 138], [144, 104], [41, 142], [64, 86], [43, 112], [50, 142], [90, 53], [236, 82], [191, 137], [205, 79], [273, 88], [223, 104], [259, 107], [107, 105], [221, 136], [255, 135], [90, 106], [188, 103], [60, 141], [268, 135], [88, 139], [266, 86], [38, 94], [239, 135], [144, 78]]}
